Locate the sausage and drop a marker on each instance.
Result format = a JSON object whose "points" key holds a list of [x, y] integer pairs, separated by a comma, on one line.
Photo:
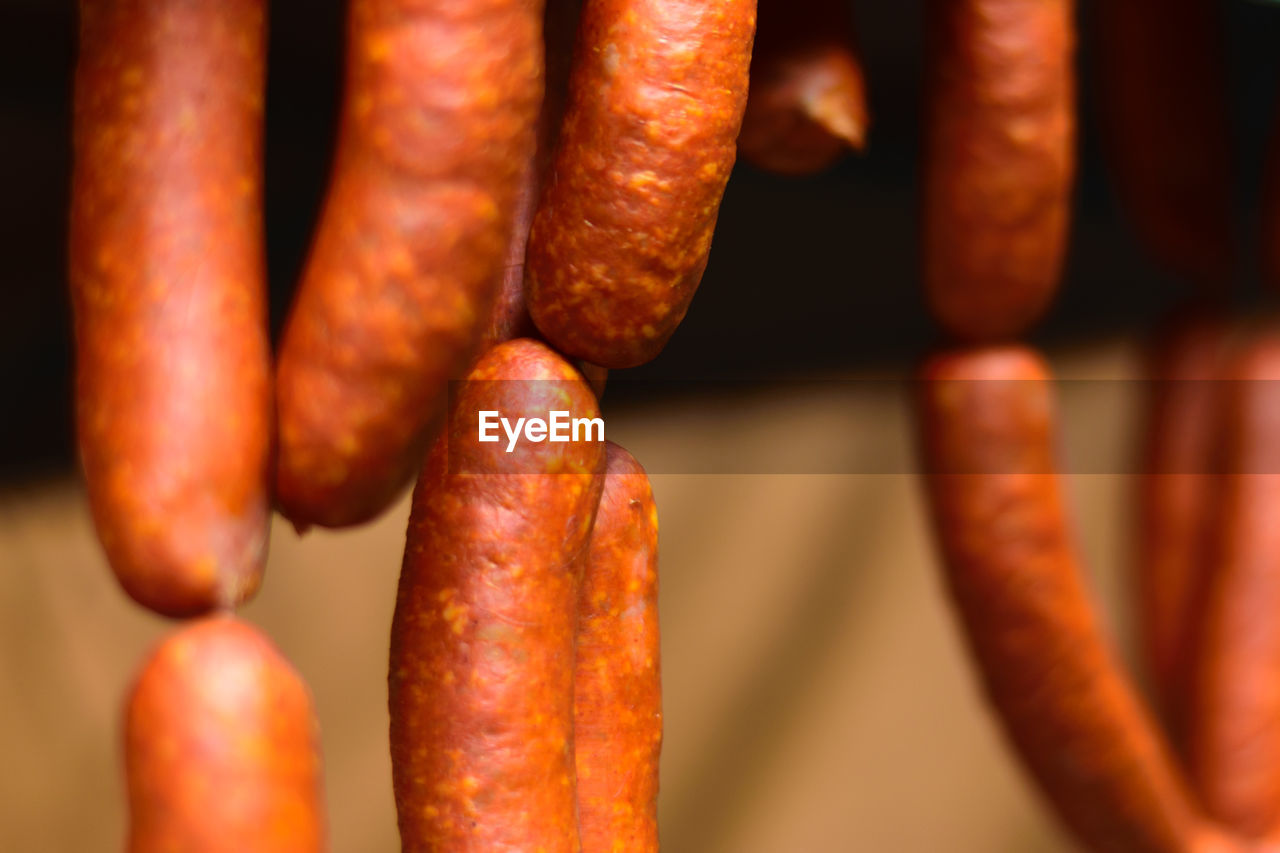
{"points": [[617, 682], [1162, 95], [1014, 577], [998, 161], [481, 673], [621, 235], [222, 747], [1235, 720], [438, 120], [167, 275], [807, 104], [1177, 492]]}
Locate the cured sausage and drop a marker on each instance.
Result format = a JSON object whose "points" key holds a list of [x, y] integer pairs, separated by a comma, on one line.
{"points": [[1235, 720], [807, 104], [998, 161], [438, 120], [482, 642], [622, 232], [1178, 492], [222, 747], [1015, 580], [617, 683], [1162, 92], [167, 283]]}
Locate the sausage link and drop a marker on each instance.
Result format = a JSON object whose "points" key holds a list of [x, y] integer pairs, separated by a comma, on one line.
{"points": [[622, 232], [998, 164], [222, 747], [1178, 491], [167, 284], [1162, 95], [617, 681], [441, 103], [987, 440], [807, 104], [1235, 719], [481, 675]]}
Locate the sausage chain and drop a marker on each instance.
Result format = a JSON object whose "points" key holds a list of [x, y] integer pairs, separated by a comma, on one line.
{"points": [[1208, 575]]}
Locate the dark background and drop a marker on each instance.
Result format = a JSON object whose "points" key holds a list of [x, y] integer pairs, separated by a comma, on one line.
{"points": [[806, 274]]}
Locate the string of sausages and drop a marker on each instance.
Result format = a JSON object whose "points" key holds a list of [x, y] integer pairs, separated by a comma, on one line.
{"points": [[998, 164], [516, 197], [523, 198]]}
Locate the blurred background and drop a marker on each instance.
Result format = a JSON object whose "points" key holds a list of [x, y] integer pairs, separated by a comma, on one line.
{"points": [[817, 697]]}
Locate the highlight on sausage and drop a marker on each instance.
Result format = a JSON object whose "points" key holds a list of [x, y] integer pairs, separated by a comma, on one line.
{"points": [[482, 642], [222, 747], [998, 161], [1015, 580], [438, 122], [167, 282], [807, 103], [617, 680], [621, 235]]}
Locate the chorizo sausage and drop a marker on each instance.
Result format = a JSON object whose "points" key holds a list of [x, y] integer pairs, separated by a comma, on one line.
{"points": [[167, 283], [481, 674], [222, 747], [1178, 489], [998, 161], [807, 103], [621, 235], [617, 683], [441, 103], [1162, 93], [1235, 715], [1014, 577]]}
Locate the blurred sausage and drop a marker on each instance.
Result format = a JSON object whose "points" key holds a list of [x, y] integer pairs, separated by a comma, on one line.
{"points": [[438, 121], [987, 438], [998, 161], [167, 282], [807, 104], [222, 747]]}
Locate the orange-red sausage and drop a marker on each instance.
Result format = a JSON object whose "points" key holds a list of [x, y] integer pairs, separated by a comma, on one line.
{"points": [[617, 682], [987, 438], [1162, 93], [998, 161], [481, 676], [438, 120], [807, 104], [622, 233], [1235, 715], [167, 282], [1178, 492], [222, 747]]}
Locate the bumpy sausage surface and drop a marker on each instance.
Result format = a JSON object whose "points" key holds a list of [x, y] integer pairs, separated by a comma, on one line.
{"points": [[441, 103], [1178, 494], [998, 161], [222, 747], [623, 230], [617, 682], [1015, 579], [167, 283], [1162, 91], [482, 643], [1235, 715], [807, 104]]}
